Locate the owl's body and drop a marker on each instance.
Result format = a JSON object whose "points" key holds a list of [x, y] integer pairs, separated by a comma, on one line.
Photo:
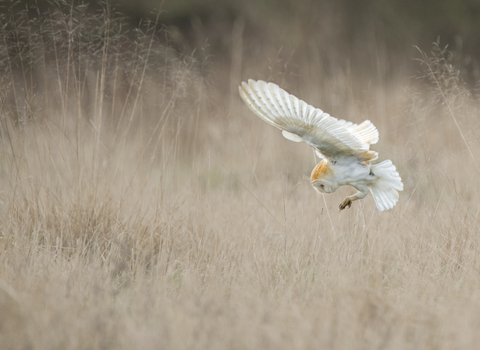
{"points": [[343, 146], [343, 172]]}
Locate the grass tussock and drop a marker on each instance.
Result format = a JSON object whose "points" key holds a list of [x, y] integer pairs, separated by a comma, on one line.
{"points": [[141, 207]]}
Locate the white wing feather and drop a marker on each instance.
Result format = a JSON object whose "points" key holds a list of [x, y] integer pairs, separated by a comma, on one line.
{"points": [[366, 132], [302, 122]]}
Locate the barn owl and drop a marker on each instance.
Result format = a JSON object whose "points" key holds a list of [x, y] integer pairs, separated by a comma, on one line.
{"points": [[344, 147]]}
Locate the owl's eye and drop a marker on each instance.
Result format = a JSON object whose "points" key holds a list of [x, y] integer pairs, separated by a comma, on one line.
{"points": [[322, 186]]}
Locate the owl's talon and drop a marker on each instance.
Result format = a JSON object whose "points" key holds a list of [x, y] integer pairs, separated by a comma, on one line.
{"points": [[347, 202]]}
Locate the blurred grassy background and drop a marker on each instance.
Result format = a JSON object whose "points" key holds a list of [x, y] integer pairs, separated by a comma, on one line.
{"points": [[371, 39], [142, 205]]}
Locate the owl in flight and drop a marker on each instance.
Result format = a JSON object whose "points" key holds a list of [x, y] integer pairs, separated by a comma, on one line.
{"points": [[342, 146]]}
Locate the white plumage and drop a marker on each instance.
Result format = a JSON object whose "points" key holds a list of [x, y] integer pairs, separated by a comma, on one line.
{"points": [[342, 145]]}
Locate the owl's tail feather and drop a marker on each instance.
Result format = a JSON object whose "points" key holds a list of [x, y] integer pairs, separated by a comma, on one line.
{"points": [[386, 185]]}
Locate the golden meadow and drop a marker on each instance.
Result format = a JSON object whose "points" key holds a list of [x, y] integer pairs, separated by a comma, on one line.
{"points": [[143, 206]]}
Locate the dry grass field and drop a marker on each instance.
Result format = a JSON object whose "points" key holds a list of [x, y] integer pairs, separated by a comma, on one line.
{"points": [[144, 207]]}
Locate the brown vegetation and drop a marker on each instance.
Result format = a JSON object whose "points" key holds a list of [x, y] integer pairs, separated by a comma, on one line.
{"points": [[144, 207]]}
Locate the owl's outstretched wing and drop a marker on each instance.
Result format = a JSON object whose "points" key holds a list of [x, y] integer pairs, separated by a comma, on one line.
{"points": [[301, 122]]}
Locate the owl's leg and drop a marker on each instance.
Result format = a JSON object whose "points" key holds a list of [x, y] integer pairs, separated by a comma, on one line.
{"points": [[347, 202]]}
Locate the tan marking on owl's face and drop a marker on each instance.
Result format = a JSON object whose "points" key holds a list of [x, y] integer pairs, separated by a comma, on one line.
{"points": [[320, 171]]}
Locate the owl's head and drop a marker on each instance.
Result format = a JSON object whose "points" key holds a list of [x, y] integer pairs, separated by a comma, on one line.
{"points": [[322, 178]]}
